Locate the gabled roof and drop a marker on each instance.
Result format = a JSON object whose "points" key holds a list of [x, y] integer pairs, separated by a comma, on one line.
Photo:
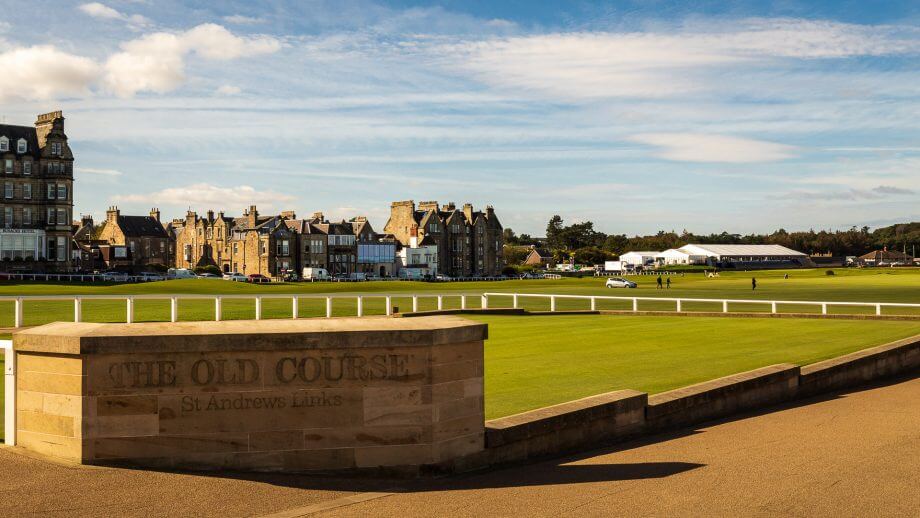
{"points": [[886, 255], [14, 133], [141, 226]]}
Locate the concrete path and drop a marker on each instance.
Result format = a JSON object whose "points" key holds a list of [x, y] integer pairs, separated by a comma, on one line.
{"points": [[855, 454]]}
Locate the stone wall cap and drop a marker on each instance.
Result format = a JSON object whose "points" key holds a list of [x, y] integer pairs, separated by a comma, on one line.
{"points": [[94, 338]]}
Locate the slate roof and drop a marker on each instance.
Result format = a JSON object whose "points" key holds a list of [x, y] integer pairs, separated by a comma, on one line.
{"points": [[141, 226], [14, 133], [886, 256]]}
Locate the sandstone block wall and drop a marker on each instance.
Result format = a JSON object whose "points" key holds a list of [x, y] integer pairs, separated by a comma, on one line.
{"points": [[331, 395]]}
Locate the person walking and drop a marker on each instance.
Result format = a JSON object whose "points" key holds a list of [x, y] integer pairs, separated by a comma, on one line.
{"points": [[659, 281], [753, 283], [669, 283]]}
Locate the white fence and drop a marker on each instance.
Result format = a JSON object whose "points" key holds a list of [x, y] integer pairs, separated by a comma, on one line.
{"points": [[9, 385], [678, 302], [218, 300]]}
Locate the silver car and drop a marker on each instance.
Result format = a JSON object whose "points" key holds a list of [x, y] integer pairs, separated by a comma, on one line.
{"points": [[619, 282]]}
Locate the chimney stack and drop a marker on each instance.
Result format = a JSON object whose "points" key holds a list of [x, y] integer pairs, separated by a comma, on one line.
{"points": [[46, 123], [155, 214], [111, 215]]}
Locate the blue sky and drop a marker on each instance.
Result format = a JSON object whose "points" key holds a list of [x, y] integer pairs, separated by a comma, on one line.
{"points": [[639, 116]]}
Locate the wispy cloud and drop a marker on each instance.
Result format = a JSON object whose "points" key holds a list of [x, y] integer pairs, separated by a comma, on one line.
{"points": [[207, 196], [696, 147], [239, 19], [102, 11], [97, 171]]}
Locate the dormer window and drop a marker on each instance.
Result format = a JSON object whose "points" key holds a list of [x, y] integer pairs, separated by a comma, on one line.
{"points": [[21, 146], [56, 148], [4, 144]]}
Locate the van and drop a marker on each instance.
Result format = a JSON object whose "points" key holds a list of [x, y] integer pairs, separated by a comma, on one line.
{"points": [[180, 273], [315, 274]]}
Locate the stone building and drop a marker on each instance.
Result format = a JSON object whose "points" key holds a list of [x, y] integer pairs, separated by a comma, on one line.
{"points": [[469, 242], [312, 242], [37, 201], [265, 246], [127, 243]]}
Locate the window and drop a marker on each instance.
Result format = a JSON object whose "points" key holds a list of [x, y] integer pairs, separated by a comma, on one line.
{"points": [[27, 191], [62, 192], [26, 216], [21, 146], [8, 190], [51, 191], [51, 216], [61, 248], [8, 217], [8, 166], [283, 247], [27, 167], [187, 252], [56, 148], [4, 144], [62, 216]]}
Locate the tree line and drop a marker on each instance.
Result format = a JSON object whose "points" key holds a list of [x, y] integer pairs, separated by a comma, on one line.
{"points": [[589, 246]]}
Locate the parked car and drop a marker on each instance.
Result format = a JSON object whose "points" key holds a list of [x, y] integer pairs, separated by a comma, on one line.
{"points": [[150, 276], [208, 275], [235, 276], [619, 282], [442, 277], [315, 274], [258, 278], [115, 277], [180, 273]]}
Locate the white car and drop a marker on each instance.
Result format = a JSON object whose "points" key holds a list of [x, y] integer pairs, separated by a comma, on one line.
{"points": [[115, 277], [238, 277], [619, 282]]}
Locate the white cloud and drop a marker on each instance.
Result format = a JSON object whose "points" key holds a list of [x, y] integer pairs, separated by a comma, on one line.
{"points": [[96, 171], [206, 196], [44, 72], [102, 11], [229, 90], [699, 147], [239, 19], [590, 65], [156, 62]]}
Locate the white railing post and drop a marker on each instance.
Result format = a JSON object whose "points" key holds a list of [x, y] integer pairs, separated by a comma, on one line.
{"points": [[10, 387], [77, 309], [129, 313], [724, 306], [328, 307], [360, 306], [17, 311], [552, 303], [258, 308], [462, 301], [678, 305], [389, 306], [218, 309], [823, 308], [173, 309], [484, 302], [635, 305], [514, 301], [593, 303], [294, 309], [440, 302], [878, 309], [773, 307], [415, 303]]}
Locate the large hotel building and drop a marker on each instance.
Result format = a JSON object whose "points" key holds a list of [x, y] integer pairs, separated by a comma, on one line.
{"points": [[37, 199]]}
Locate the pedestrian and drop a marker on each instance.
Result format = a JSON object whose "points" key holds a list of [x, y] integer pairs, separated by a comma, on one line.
{"points": [[669, 283], [659, 281], [753, 284]]}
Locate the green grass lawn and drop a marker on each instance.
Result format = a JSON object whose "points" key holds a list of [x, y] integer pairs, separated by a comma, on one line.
{"points": [[868, 285], [535, 361]]}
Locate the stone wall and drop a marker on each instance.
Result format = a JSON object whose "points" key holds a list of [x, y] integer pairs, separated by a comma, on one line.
{"points": [[401, 395]]}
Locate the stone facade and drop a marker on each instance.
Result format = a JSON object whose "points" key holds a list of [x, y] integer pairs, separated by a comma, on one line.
{"points": [[36, 202], [381, 394], [469, 242], [126, 243]]}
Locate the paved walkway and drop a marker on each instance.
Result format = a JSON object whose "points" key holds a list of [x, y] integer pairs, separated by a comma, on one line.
{"points": [[854, 454]]}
